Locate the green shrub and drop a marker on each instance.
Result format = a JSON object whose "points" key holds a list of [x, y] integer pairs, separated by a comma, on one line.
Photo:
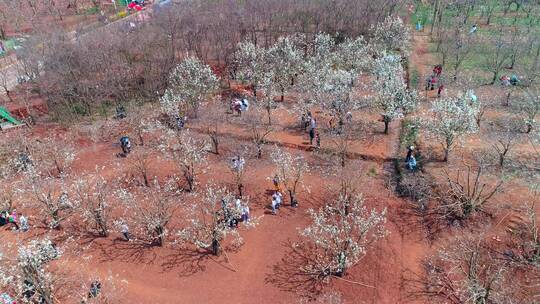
{"points": [[409, 133], [414, 78]]}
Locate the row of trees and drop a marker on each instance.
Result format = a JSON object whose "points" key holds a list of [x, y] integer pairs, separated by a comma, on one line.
{"points": [[119, 63], [508, 46], [323, 70]]}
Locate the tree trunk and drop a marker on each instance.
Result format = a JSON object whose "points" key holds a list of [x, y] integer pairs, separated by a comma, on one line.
{"points": [[342, 265], [446, 153], [259, 150], [240, 190], [254, 90], [269, 112], [386, 121], [215, 141], [146, 181], [215, 247], [160, 239], [190, 180], [529, 128], [292, 197], [494, 78], [435, 9]]}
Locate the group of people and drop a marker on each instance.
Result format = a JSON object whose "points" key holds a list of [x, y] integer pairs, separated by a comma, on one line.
{"points": [[509, 80], [233, 216], [277, 198], [20, 222], [239, 105], [136, 5], [237, 163], [434, 80]]}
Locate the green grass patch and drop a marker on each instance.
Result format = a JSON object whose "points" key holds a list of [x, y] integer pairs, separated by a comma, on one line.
{"points": [[414, 78], [422, 14], [409, 133], [91, 10]]}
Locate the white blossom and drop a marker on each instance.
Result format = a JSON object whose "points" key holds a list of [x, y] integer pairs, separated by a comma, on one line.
{"points": [[392, 34], [340, 234], [290, 170], [392, 97], [189, 84], [452, 117], [210, 221]]}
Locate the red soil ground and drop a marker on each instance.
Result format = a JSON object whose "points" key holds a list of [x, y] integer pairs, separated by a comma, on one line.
{"points": [[169, 275]]}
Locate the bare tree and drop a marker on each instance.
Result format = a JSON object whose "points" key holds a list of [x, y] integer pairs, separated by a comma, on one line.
{"points": [[213, 118], [529, 105], [290, 170], [139, 161], [465, 195], [526, 238], [499, 47], [505, 140], [150, 210], [259, 131], [93, 200], [55, 151], [468, 271], [51, 199], [189, 154]]}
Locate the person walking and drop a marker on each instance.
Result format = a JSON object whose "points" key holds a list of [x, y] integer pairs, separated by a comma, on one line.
{"points": [[275, 180], [278, 197], [440, 90], [274, 205], [12, 218], [245, 213], [412, 163], [318, 140], [125, 231], [125, 144], [410, 151], [24, 223]]}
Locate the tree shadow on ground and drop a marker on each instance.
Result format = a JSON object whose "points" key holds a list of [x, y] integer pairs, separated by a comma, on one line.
{"points": [[287, 274], [127, 251], [185, 261]]}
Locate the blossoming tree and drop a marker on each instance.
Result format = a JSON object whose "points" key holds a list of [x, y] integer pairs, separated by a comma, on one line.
{"points": [[290, 170], [339, 236], [452, 118], [392, 34], [209, 221], [392, 97], [188, 152], [190, 83], [26, 274]]}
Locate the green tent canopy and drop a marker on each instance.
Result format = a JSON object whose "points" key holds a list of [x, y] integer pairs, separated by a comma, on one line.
{"points": [[5, 115]]}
